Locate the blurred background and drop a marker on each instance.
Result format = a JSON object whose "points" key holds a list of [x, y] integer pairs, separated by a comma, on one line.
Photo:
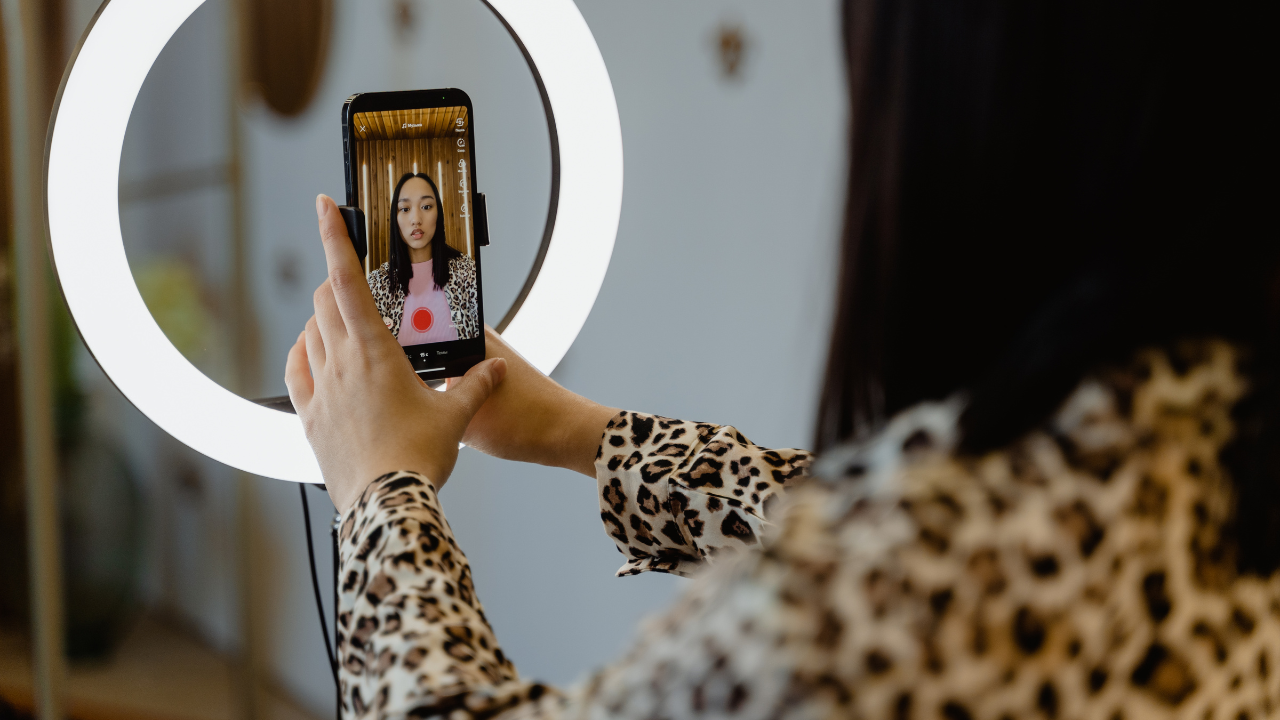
{"points": [[183, 589]]}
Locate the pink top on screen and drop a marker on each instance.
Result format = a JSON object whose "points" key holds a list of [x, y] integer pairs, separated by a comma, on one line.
{"points": [[426, 311]]}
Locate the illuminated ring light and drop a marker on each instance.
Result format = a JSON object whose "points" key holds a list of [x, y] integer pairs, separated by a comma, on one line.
{"points": [[85, 143]]}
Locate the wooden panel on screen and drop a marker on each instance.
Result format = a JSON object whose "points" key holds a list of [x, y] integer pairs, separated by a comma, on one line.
{"points": [[390, 144]]}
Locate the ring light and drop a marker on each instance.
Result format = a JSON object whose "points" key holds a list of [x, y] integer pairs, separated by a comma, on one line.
{"points": [[85, 143]]}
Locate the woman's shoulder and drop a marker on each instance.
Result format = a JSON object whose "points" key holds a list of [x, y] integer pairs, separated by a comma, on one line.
{"points": [[385, 294], [1078, 489], [904, 549], [873, 465], [379, 277], [462, 263], [462, 270]]}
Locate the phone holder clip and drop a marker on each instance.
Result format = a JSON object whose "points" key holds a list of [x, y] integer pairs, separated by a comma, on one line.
{"points": [[354, 218], [482, 221]]}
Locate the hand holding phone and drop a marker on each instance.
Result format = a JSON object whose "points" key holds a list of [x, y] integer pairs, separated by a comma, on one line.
{"points": [[363, 410]]}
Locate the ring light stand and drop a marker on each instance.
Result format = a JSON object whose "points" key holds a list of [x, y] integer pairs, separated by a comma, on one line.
{"points": [[85, 141]]}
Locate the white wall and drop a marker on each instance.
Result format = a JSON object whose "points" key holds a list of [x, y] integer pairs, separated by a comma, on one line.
{"points": [[716, 306]]}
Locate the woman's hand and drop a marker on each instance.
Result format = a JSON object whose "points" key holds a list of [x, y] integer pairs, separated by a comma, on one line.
{"points": [[364, 409], [531, 418]]}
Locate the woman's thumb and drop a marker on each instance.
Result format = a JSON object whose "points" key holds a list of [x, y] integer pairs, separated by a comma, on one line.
{"points": [[475, 387]]}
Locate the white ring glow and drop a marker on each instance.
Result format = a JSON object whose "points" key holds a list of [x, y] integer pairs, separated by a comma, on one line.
{"points": [[88, 247]]}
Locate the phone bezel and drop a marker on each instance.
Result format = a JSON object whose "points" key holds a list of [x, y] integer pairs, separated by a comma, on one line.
{"points": [[426, 359]]}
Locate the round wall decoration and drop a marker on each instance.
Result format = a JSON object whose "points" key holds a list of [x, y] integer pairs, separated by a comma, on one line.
{"points": [[288, 42]]}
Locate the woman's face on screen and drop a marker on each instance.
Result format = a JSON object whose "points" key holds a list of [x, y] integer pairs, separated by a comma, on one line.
{"points": [[416, 211]]}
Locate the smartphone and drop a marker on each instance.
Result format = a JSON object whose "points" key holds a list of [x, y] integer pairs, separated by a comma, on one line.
{"points": [[411, 183]]}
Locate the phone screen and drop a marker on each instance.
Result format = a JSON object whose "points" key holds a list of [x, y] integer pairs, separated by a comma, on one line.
{"points": [[411, 170]]}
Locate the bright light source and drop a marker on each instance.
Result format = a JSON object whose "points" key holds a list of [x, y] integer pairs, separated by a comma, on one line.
{"points": [[88, 247]]}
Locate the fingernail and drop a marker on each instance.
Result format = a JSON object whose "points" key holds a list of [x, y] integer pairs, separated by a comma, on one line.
{"points": [[322, 207]]}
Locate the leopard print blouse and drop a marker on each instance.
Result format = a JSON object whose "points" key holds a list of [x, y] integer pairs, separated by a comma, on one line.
{"points": [[1079, 573], [461, 292]]}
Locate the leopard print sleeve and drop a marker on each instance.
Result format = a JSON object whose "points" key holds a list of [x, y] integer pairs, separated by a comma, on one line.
{"points": [[674, 493], [413, 640], [464, 297], [389, 301]]}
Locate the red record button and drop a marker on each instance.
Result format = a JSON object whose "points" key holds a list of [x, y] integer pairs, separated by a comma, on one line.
{"points": [[423, 319]]}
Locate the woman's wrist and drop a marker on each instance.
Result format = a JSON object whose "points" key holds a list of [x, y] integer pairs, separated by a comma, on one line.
{"points": [[344, 497], [580, 435]]}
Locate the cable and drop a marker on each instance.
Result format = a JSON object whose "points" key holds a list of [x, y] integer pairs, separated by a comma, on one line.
{"points": [[333, 532], [315, 582]]}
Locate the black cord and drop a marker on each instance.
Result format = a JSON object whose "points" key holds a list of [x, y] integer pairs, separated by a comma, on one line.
{"points": [[315, 581], [333, 532]]}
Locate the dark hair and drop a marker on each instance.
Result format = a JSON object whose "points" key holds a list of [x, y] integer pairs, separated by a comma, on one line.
{"points": [[401, 268], [1037, 188]]}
